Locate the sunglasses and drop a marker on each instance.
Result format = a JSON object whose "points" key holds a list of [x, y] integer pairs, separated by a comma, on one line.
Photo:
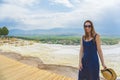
{"points": [[87, 26]]}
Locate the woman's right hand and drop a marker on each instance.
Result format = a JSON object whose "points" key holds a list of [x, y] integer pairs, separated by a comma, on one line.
{"points": [[80, 66]]}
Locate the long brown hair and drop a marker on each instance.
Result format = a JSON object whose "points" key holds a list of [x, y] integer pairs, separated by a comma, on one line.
{"points": [[92, 29]]}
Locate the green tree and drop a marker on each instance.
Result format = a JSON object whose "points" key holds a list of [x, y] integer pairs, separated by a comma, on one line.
{"points": [[4, 31], [0, 32]]}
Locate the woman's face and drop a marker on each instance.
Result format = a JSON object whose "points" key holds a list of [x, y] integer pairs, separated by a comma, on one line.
{"points": [[88, 27]]}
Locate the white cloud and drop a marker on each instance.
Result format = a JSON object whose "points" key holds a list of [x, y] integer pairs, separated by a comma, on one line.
{"points": [[22, 2], [40, 19], [66, 3]]}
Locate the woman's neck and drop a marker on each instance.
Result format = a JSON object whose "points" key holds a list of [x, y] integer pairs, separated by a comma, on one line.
{"points": [[89, 35]]}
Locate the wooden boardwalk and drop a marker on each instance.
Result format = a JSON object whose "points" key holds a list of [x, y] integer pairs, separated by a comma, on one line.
{"points": [[14, 70]]}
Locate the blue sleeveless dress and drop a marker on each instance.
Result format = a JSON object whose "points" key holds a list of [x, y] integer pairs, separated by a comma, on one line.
{"points": [[90, 61]]}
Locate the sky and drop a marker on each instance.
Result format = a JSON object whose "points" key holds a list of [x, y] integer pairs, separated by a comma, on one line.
{"points": [[47, 14]]}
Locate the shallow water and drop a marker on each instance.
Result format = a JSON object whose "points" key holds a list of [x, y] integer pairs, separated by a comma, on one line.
{"points": [[66, 54]]}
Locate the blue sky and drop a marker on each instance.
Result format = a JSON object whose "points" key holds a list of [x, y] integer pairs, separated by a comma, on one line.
{"points": [[47, 14]]}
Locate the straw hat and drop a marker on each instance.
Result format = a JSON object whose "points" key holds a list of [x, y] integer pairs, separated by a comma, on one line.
{"points": [[109, 74]]}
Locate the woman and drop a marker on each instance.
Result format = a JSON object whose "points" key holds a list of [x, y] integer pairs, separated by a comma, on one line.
{"points": [[89, 51]]}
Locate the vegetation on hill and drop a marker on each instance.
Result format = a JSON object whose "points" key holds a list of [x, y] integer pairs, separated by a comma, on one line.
{"points": [[67, 40]]}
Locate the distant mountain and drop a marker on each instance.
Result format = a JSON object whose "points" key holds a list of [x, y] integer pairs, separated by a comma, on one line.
{"points": [[58, 31], [54, 31]]}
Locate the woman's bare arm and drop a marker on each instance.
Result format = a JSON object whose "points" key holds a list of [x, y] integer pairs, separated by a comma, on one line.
{"points": [[80, 55], [81, 52], [98, 42]]}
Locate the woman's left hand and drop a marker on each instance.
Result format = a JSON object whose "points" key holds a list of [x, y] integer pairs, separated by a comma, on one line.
{"points": [[104, 66]]}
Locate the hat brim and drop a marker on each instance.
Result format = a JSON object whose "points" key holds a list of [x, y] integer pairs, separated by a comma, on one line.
{"points": [[114, 76]]}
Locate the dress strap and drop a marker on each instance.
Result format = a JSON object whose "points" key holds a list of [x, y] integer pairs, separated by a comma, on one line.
{"points": [[95, 37], [82, 37]]}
